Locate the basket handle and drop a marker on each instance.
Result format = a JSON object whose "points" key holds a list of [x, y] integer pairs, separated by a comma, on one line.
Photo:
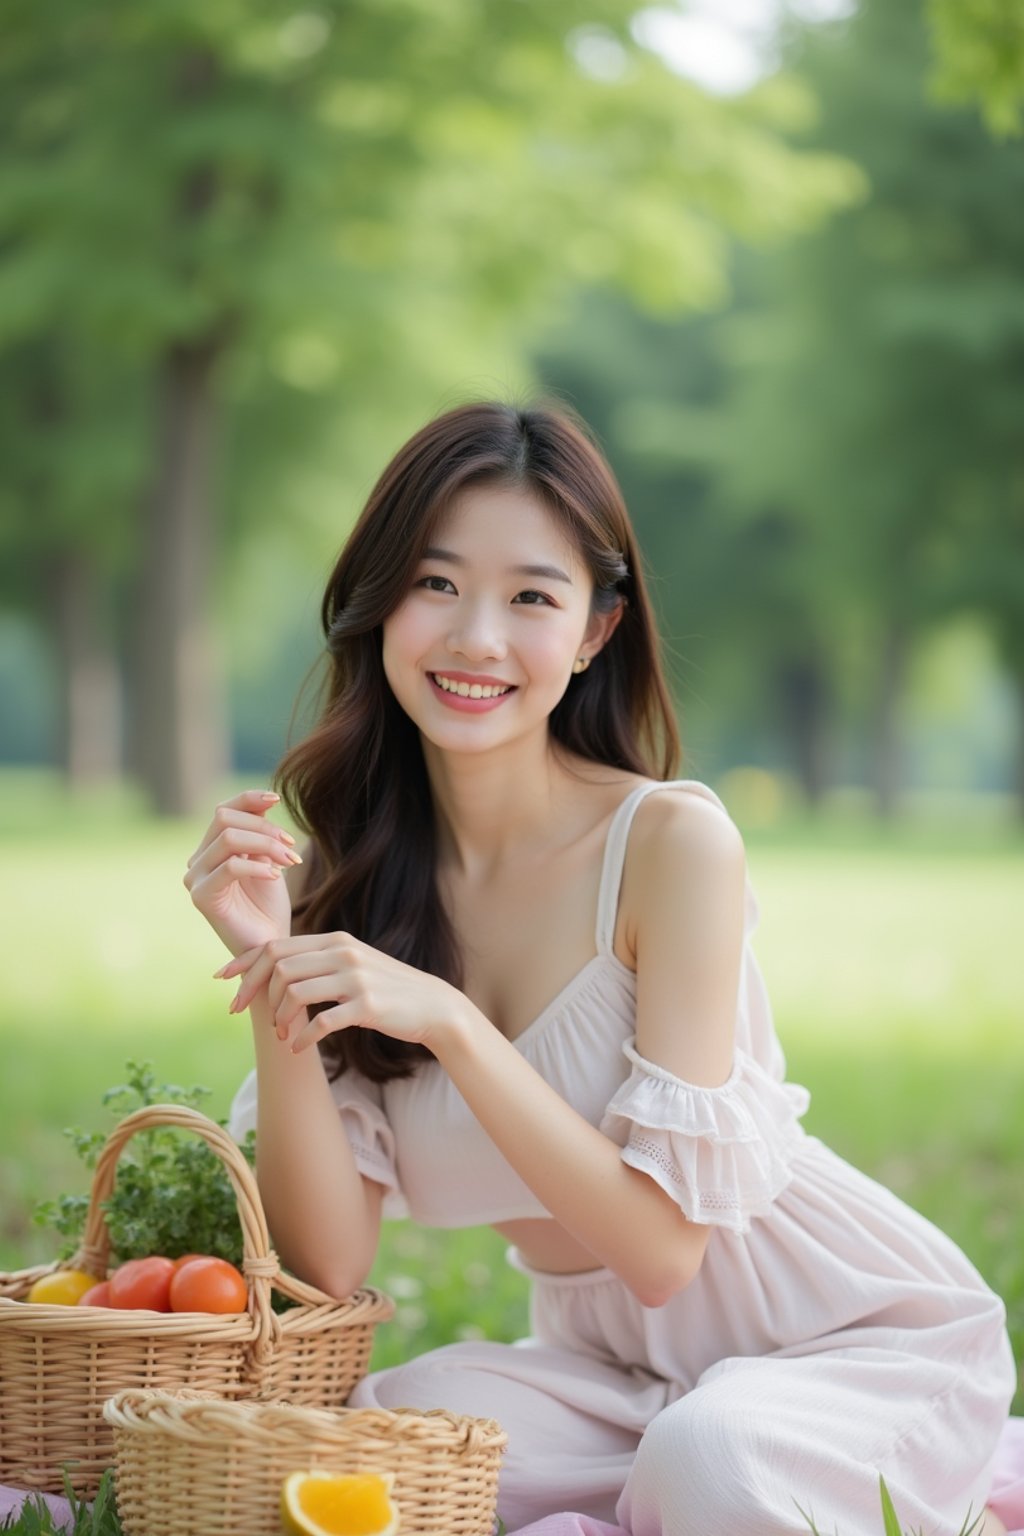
{"points": [[260, 1264]]}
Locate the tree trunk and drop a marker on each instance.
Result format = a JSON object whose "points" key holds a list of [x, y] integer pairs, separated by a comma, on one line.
{"points": [[885, 762], [90, 682], [805, 709], [179, 708]]}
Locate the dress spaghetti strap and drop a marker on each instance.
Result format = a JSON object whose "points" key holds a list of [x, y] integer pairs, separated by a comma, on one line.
{"points": [[615, 852]]}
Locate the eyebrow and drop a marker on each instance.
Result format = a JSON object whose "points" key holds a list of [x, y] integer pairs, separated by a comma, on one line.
{"points": [[552, 572]]}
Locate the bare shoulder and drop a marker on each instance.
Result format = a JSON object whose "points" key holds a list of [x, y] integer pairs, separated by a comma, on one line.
{"points": [[671, 822], [683, 852]]}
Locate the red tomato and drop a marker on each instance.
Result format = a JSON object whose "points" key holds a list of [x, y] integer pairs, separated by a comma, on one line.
{"points": [[187, 1258], [208, 1285], [97, 1296], [142, 1283]]}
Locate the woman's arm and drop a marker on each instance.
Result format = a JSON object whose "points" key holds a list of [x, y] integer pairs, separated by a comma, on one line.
{"points": [[324, 1214], [690, 868]]}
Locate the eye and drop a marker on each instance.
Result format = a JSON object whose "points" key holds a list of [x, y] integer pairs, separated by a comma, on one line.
{"points": [[425, 579], [532, 592]]}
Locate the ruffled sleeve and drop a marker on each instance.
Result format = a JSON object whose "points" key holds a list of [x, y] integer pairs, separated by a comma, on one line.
{"points": [[361, 1107], [723, 1154]]}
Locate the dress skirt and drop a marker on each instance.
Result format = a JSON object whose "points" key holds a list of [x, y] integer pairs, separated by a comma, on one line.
{"points": [[841, 1338]]}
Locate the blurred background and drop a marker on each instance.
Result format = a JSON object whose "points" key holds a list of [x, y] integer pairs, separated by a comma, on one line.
{"points": [[771, 251]]}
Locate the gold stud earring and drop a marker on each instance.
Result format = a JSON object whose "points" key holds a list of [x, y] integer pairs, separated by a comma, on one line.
{"points": [[581, 664]]}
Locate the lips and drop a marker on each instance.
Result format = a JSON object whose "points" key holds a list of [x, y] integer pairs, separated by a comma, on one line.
{"points": [[465, 703]]}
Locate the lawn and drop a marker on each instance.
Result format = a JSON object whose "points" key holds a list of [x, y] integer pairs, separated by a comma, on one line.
{"points": [[889, 956]]}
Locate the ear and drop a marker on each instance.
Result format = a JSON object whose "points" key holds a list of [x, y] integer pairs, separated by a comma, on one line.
{"points": [[600, 630]]}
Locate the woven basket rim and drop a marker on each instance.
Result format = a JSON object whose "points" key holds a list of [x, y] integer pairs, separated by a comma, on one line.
{"points": [[152, 1410], [366, 1304], [260, 1265]]}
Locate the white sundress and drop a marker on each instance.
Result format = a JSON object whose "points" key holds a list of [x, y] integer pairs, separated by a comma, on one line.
{"points": [[833, 1334]]}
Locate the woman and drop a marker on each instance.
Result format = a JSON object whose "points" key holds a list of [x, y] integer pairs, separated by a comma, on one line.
{"points": [[726, 1318]]}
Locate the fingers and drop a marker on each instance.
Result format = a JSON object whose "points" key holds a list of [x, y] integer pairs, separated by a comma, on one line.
{"points": [[247, 812], [297, 976], [256, 977], [237, 868], [344, 1015], [281, 947], [225, 820], [253, 800], [290, 1015], [238, 963], [235, 844], [283, 973]]}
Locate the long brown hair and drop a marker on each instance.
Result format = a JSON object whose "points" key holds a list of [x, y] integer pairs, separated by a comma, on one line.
{"points": [[358, 783]]}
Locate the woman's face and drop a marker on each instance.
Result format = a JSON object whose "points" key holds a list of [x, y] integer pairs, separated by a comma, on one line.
{"points": [[475, 620]]}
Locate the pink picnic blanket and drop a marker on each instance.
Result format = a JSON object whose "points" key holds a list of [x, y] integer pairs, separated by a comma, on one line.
{"points": [[1006, 1499]]}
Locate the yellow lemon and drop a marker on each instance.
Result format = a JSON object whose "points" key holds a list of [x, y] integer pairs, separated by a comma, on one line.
{"points": [[62, 1288], [333, 1504]]}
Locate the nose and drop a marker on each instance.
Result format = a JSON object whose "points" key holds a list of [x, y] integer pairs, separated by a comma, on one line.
{"points": [[477, 633]]}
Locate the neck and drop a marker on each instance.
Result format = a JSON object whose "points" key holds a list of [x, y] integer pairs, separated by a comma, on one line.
{"points": [[495, 810]]}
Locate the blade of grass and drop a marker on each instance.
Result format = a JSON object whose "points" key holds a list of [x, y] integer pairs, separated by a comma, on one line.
{"points": [[890, 1523]]}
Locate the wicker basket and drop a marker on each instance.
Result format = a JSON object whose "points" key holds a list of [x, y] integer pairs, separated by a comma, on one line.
{"points": [[59, 1365], [187, 1463]]}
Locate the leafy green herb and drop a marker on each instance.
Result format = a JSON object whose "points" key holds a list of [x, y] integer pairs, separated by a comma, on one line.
{"points": [[171, 1192], [96, 1519]]}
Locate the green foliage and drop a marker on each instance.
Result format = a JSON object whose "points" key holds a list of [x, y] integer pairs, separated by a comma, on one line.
{"points": [[98, 1518], [890, 1520], [256, 182], [171, 1193], [326, 220], [979, 56], [832, 467]]}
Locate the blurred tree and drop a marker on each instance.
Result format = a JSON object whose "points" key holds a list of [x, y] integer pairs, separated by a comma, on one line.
{"points": [[69, 433], [979, 56], [196, 192], [72, 465], [879, 377], [833, 465], [732, 589]]}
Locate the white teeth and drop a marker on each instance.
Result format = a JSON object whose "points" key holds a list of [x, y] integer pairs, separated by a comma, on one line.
{"points": [[469, 690]]}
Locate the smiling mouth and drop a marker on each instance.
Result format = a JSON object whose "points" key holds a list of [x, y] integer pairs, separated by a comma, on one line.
{"points": [[470, 690]]}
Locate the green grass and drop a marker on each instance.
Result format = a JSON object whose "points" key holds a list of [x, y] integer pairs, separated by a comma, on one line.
{"points": [[100, 1518], [889, 955]]}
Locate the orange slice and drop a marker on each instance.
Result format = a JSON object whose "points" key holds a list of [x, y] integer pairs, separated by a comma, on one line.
{"points": [[339, 1504]]}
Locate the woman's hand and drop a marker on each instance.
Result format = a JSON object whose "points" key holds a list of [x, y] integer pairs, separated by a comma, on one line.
{"points": [[368, 990], [234, 876]]}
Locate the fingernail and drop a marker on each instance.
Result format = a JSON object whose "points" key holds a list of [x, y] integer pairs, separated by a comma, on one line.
{"points": [[296, 858], [269, 795], [286, 837], [217, 975], [233, 1006]]}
